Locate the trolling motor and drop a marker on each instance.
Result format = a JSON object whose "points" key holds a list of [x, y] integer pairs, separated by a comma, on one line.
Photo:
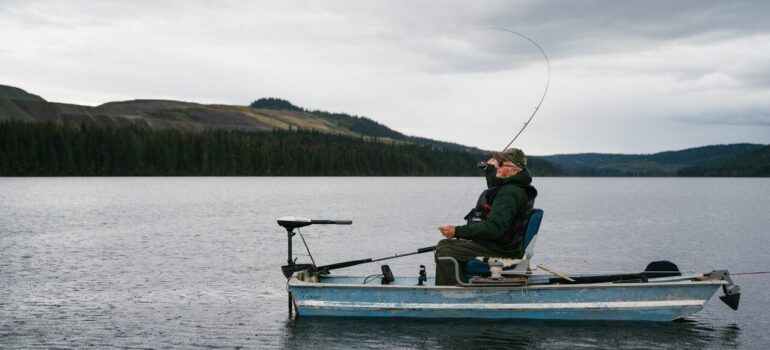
{"points": [[290, 223]]}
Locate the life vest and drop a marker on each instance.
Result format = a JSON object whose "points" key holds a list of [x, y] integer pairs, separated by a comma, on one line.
{"points": [[515, 232]]}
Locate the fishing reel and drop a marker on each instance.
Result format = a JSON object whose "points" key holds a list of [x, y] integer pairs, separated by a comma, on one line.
{"points": [[423, 277]]}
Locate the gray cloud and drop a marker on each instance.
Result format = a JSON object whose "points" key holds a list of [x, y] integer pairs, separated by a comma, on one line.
{"points": [[751, 117], [433, 69]]}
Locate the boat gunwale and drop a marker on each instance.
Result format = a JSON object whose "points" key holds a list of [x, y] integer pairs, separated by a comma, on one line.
{"points": [[296, 282]]}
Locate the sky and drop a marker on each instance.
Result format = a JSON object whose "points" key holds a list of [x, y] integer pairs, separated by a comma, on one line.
{"points": [[625, 76]]}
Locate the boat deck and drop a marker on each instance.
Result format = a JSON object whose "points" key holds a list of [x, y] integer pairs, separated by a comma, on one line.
{"points": [[536, 280]]}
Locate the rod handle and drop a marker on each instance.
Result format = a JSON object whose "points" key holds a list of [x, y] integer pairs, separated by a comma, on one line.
{"points": [[343, 264], [426, 249]]}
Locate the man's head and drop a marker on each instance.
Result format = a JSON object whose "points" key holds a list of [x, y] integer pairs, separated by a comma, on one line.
{"points": [[509, 162], [512, 155]]}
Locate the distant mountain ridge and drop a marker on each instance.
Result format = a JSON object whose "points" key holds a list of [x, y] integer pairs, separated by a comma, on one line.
{"points": [[741, 159], [263, 115], [275, 114]]}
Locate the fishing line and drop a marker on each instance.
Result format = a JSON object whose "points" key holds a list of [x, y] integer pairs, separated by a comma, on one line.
{"points": [[750, 273], [537, 107]]}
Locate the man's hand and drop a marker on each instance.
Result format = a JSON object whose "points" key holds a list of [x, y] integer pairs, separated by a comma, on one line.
{"points": [[447, 230]]}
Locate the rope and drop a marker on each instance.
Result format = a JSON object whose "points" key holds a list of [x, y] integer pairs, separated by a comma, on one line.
{"points": [[750, 273], [590, 273]]}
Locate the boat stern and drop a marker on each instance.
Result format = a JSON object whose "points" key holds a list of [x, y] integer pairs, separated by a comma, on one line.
{"points": [[732, 296]]}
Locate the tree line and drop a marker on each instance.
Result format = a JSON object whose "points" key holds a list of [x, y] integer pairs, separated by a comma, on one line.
{"points": [[48, 149]]}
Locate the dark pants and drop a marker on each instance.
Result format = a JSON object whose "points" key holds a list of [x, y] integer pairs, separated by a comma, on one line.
{"points": [[463, 251]]}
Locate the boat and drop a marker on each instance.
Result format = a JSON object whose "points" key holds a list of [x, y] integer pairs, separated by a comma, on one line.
{"points": [[500, 289]]}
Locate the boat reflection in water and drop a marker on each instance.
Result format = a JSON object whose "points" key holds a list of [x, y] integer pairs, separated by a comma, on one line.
{"points": [[375, 333]]}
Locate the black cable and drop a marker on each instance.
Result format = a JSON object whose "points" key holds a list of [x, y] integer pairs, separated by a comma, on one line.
{"points": [[366, 280], [306, 247]]}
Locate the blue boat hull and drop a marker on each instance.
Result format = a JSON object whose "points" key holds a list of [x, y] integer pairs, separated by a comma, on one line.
{"points": [[651, 301]]}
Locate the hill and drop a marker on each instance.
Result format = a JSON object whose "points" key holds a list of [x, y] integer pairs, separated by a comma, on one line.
{"points": [[752, 163], [261, 116], [188, 119], [700, 161], [10, 92], [48, 149]]}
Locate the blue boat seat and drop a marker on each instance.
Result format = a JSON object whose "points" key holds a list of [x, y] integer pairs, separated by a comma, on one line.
{"points": [[478, 266]]}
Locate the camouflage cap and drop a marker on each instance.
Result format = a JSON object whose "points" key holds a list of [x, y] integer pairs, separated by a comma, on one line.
{"points": [[512, 155]]}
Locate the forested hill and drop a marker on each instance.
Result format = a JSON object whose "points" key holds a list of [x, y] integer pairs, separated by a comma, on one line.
{"points": [[752, 163], [49, 149], [272, 136], [161, 137], [717, 160], [265, 114]]}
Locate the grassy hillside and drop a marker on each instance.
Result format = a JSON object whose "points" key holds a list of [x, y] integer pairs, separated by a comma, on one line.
{"points": [[10, 92], [266, 114]]}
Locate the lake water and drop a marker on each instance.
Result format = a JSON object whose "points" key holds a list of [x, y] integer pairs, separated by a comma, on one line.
{"points": [[195, 262]]}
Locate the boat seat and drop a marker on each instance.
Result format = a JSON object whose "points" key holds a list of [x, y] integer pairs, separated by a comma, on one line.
{"points": [[480, 265]]}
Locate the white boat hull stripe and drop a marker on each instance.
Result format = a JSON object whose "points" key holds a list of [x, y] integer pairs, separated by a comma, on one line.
{"points": [[317, 304]]}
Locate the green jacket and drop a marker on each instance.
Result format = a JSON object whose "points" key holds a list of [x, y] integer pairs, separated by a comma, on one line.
{"points": [[508, 200]]}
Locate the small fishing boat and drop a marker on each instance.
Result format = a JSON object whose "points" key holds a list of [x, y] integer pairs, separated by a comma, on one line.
{"points": [[500, 289]]}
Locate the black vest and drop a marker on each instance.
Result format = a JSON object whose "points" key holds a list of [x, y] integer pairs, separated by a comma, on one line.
{"points": [[514, 234]]}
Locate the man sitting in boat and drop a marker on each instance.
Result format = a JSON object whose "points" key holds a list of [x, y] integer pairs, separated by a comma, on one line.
{"points": [[496, 226]]}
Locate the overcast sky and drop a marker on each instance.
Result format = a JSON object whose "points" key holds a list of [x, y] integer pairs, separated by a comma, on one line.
{"points": [[626, 76]]}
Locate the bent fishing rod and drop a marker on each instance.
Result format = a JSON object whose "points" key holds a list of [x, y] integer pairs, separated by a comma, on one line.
{"points": [[547, 82]]}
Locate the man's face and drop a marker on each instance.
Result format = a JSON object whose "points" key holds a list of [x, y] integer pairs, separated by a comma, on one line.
{"points": [[506, 169]]}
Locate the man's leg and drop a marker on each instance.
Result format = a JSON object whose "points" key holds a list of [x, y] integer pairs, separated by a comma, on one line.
{"points": [[462, 251]]}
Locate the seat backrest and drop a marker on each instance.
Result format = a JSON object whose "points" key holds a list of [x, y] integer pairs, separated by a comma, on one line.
{"points": [[532, 227]]}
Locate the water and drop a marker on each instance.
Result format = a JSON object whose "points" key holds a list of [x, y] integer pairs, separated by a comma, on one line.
{"points": [[194, 262]]}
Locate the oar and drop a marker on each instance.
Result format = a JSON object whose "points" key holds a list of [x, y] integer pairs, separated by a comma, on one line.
{"points": [[556, 273], [326, 268]]}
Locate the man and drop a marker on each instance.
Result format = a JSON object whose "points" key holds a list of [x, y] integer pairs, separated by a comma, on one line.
{"points": [[497, 224]]}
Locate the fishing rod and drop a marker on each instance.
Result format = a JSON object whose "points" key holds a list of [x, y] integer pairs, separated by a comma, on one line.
{"points": [[291, 223], [547, 82], [289, 270], [483, 164]]}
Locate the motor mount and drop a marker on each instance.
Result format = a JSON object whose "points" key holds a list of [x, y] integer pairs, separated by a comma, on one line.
{"points": [[732, 291]]}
